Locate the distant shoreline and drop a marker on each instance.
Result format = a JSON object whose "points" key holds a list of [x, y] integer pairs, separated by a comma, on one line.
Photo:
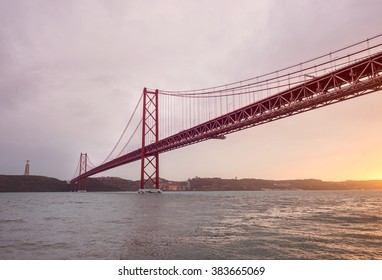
{"points": [[21, 183]]}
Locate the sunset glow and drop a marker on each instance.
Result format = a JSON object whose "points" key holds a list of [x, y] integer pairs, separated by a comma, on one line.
{"points": [[72, 73]]}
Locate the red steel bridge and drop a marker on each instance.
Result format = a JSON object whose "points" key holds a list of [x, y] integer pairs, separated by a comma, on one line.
{"points": [[174, 119]]}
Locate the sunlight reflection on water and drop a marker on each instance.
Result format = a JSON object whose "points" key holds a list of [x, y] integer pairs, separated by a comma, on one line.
{"points": [[192, 225]]}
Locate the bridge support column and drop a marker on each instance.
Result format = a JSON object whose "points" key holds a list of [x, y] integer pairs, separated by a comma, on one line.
{"points": [[81, 184], [150, 135]]}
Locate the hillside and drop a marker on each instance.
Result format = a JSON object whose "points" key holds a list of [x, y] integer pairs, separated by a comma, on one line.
{"points": [[113, 184], [218, 184], [14, 183]]}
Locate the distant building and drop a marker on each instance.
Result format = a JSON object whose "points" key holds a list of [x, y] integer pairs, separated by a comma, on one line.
{"points": [[26, 171], [175, 186]]}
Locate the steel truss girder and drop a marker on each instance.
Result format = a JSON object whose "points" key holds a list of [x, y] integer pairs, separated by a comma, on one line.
{"points": [[357, 79], [338, 86]]}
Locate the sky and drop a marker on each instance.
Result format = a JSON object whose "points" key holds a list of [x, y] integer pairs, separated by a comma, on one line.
{"points": [[71, 73]]}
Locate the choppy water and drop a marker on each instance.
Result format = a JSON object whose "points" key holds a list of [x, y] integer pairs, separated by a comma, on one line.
{"points": [[192, 225]]}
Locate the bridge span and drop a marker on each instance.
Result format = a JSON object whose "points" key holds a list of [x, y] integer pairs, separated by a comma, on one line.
{"points": [[326, 80]]}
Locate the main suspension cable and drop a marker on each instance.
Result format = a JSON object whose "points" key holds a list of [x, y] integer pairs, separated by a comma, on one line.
{"points": [[124, 131], [244, 83]]}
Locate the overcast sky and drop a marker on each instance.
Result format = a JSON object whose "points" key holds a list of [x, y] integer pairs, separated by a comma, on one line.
{"points": [[71, 73]]}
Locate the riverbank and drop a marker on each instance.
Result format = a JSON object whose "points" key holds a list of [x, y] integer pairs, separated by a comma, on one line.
{"points": [[17, 183]]}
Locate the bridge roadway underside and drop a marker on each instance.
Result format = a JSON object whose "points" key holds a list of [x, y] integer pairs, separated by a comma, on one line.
{"points": [[357, 79]]}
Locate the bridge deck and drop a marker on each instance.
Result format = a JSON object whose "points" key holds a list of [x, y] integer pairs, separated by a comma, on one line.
{"points": [[353, 80]]}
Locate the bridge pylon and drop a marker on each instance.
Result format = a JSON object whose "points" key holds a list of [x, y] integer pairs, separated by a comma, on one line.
{"points": [[150, 135], [80, 185]]}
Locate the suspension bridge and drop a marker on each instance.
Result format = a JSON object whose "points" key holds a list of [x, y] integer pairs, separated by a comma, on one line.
{"points": [[167, 120]]}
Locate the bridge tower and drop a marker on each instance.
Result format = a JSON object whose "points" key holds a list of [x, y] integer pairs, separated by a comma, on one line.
{"points": [[80, 185], [150, 135]]}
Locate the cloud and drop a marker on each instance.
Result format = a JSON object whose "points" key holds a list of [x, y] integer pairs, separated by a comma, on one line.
{"points": [[72, 71]]}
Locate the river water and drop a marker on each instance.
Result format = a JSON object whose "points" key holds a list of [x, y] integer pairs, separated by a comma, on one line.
{"points": [[192, 225]]}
